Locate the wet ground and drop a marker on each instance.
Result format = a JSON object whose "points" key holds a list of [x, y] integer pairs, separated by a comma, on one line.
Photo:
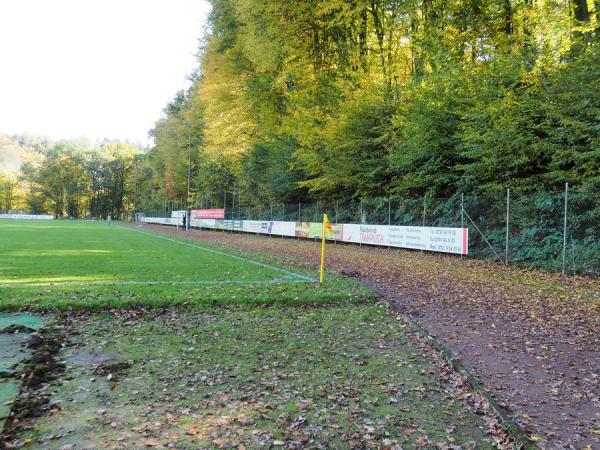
{"points": [[532, 337], [351, 377], [15, 332]]}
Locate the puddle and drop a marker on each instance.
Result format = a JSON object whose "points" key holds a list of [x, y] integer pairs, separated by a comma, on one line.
{"points": [[92, 359], [15, 331], [12, 352], [25, 320]]}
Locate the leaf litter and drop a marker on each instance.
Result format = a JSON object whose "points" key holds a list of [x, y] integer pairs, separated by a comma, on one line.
{"points": [[533, 337], [247, 377]]}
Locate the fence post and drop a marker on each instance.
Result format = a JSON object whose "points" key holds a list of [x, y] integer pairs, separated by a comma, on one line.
{"points": [[233, 205], [462, 214], [424, 208], [336, 221], [361, 219], [507, 225], [361, 211], [462, 210], [224, 210], [299, 214], [564, 253], [389, 211]]}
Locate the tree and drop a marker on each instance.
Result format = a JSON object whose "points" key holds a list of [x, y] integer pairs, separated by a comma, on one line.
{"points": [[301, 101]]}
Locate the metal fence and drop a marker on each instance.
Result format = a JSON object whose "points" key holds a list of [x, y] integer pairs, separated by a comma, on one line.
{"points": [[557, 231]]}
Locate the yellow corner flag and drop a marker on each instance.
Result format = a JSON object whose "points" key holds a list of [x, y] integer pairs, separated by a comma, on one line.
{"points": [[327, 229]]}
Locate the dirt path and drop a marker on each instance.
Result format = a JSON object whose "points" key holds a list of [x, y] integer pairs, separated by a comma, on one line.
{"points": [[533, 338]]}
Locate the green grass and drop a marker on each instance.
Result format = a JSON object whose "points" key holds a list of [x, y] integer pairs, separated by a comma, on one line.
{"points": [[337, 377], [90, 265], [92, 252], [283, 362]]}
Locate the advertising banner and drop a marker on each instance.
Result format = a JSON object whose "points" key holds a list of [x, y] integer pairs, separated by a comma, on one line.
{"points": [[175, 214], [435, 239], [163, 220], [283, 228], [208, 214], [233, 225], [447, 240], [257, 226], [269, 227], [203, 223], [27, 216], [313, 230]]}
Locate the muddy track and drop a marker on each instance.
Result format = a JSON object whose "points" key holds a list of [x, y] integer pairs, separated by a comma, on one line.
{"points": [[533, 338]]}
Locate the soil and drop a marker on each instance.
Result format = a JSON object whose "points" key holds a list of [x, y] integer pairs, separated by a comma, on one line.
{"points": [[37, 371], [533, 338]]}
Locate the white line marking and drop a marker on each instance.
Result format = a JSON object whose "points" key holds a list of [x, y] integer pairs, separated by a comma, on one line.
{"points": [[239, 258], [151, 283]]}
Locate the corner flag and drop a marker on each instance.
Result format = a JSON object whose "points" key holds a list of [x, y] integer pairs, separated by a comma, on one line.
{"points": [[327, 230]]}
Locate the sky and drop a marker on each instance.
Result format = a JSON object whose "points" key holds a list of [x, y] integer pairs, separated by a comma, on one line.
{"points": [[94, 68]]}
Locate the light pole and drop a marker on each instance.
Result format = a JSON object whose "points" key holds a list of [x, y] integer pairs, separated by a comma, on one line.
{"points": [[189, 174]]}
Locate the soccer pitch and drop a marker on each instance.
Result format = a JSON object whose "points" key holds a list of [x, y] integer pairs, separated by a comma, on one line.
{"points": [[71, 263], [254, 373]]}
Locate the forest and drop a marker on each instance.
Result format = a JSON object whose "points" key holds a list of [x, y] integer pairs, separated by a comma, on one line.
{"points": [[359, 99], [68, 179], [354, 99]]}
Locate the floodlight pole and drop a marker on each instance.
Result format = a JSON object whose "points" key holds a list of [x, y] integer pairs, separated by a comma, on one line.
{"points": [[189, 176]]}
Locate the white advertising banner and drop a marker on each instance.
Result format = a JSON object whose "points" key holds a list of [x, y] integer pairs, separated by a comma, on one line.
{"points": [[27, 216], [283, 228], [176, 214], [275, 227], [435, 239], [203, 223], [163, 220]]}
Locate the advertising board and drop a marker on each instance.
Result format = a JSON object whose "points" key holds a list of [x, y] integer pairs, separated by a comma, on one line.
{"points": [[203, 223], [27, 216], [278, 228], [208, 214], [435, 239]]}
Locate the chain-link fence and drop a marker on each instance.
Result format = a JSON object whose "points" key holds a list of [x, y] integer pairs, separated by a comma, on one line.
{"points": [[558, 231]]}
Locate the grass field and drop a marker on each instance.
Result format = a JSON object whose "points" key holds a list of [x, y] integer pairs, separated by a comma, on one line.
{"points": [[244, 351], [90, 264], [93, 253], [253, 377]]}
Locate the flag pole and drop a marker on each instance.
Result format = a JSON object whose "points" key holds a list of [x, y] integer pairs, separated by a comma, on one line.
{"points": [[322, 273]]}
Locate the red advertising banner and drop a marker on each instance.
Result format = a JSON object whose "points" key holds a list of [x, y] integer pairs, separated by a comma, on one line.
{"points": [[208, 214]]}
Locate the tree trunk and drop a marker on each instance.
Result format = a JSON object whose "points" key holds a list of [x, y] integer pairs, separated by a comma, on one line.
{"points": [[508, 17], [582, 13], [362, 40], [597, 11], [582, 18], [380, 33]]}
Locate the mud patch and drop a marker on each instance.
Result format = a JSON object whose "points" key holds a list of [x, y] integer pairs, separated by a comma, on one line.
{"points": [[14, 351], [30, 376], [109, 365]]}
